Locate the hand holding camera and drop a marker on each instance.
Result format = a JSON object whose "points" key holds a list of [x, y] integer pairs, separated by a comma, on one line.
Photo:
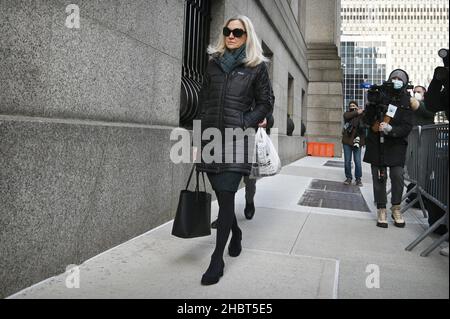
{"points": [[381, 127], [385, 128], [356, 142]]}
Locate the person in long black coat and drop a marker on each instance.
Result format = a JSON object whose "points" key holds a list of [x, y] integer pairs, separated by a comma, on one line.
{"points": [[392, 153], [237, 94]]}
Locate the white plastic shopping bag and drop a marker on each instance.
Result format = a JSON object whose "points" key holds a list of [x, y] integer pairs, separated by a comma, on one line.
{"points": [[266, 161]]}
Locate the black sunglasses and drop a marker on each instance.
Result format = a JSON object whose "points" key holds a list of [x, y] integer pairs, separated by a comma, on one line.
{"points": [[236, 32]]}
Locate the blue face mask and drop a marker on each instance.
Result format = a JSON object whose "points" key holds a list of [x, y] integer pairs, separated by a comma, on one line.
{"points": [[398, 84]]}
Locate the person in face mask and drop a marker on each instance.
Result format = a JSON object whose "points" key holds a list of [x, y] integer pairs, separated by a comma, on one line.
{"points": [[419, 92], [395, 129], [353, 139], [421, 114]]}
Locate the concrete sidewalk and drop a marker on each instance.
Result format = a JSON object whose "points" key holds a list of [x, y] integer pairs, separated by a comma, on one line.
{"points": [[289, 252]]}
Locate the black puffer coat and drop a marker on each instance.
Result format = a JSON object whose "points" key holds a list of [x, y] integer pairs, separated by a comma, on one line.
{"points": [[240, 99], [396, 142]]}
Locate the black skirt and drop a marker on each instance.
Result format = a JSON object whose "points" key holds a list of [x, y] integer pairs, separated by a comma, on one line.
{"points": [[225, 182]]}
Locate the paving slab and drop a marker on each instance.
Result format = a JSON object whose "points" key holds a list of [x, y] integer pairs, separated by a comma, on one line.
{"points": [[357, 243], [289, 252], [171, 269]]}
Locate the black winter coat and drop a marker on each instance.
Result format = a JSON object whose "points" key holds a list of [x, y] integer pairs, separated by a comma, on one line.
{"points": [[396, 142], [242, 99], [423, 116]]}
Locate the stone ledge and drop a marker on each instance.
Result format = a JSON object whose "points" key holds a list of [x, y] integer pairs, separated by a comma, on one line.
{"points": [[71, 191]]}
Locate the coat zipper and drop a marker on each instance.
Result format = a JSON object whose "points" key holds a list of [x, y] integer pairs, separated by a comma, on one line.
{"points": [[222, 102]]}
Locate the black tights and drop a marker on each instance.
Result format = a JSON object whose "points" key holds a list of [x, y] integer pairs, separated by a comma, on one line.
{"points": [[226, 222]]}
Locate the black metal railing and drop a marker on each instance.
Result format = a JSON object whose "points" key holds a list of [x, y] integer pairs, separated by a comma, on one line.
{"points": [[427, 167], [196, 40]]}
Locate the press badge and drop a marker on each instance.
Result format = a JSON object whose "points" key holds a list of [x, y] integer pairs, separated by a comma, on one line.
{"points": [[392, 109]]}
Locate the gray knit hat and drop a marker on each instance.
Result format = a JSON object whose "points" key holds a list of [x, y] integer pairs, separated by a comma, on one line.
{"points": [[401, 74]]}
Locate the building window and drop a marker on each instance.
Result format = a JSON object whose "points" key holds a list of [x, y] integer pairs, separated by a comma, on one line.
{"points": [[290, 106], [303, 120]]}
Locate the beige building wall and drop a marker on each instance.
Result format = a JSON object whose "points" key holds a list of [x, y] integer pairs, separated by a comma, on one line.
{"points": [[417, 29]]}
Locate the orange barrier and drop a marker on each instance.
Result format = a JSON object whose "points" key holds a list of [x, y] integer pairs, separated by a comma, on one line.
{"points": [[320, 149]]}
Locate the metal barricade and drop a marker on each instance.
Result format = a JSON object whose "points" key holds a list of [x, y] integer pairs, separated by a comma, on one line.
{"points": [[412, 155], [435, 150], [413, 171], [427, 165]]}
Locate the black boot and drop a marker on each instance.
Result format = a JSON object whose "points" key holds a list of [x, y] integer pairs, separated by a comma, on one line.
{"points": [[225, 222], [214, 224], [249, 210], [214, 272], [235, 247]]}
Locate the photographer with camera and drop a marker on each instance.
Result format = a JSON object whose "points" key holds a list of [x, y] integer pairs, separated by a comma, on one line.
{"points": [[390, 117], [353, 139], [436, 99]]}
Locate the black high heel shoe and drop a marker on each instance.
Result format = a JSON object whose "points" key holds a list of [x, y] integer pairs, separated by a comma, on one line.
{"points": [[235, 246], [214, 272]]}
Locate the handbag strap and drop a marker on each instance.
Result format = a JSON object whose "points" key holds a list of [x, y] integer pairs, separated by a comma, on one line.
{"points": [[190, 176], [197, 188], [196, 185], [204, 184]]}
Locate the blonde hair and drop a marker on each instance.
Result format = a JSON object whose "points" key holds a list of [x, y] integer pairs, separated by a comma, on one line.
{"points": [[253, 50]]}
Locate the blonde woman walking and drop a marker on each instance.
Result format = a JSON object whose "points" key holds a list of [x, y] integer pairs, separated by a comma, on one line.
{"points": [[237, 94]]}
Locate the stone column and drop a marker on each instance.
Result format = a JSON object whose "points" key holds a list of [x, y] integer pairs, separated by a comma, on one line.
{"points": [[324, 95]]}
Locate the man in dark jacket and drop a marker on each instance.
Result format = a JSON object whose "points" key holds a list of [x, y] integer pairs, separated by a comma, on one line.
{"points": [[387, 142], [250, 183], [422, 115], [353, 139]]}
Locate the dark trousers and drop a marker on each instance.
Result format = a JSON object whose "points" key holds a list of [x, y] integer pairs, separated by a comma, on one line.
{"points": [[379, 189], [250, 189]]}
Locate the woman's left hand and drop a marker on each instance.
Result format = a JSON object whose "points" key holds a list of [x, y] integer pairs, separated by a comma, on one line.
{"points": [[263, 124]]}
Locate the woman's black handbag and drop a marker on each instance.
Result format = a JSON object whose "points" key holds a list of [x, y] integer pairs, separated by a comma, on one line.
{"points": [[193, 218]]}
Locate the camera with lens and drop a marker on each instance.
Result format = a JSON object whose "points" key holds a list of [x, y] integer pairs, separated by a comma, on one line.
{"points": [[356, 142], [378, 94], [381, 95]]}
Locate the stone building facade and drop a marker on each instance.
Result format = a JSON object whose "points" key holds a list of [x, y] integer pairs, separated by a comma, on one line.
{"points": [[86, 115]]}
